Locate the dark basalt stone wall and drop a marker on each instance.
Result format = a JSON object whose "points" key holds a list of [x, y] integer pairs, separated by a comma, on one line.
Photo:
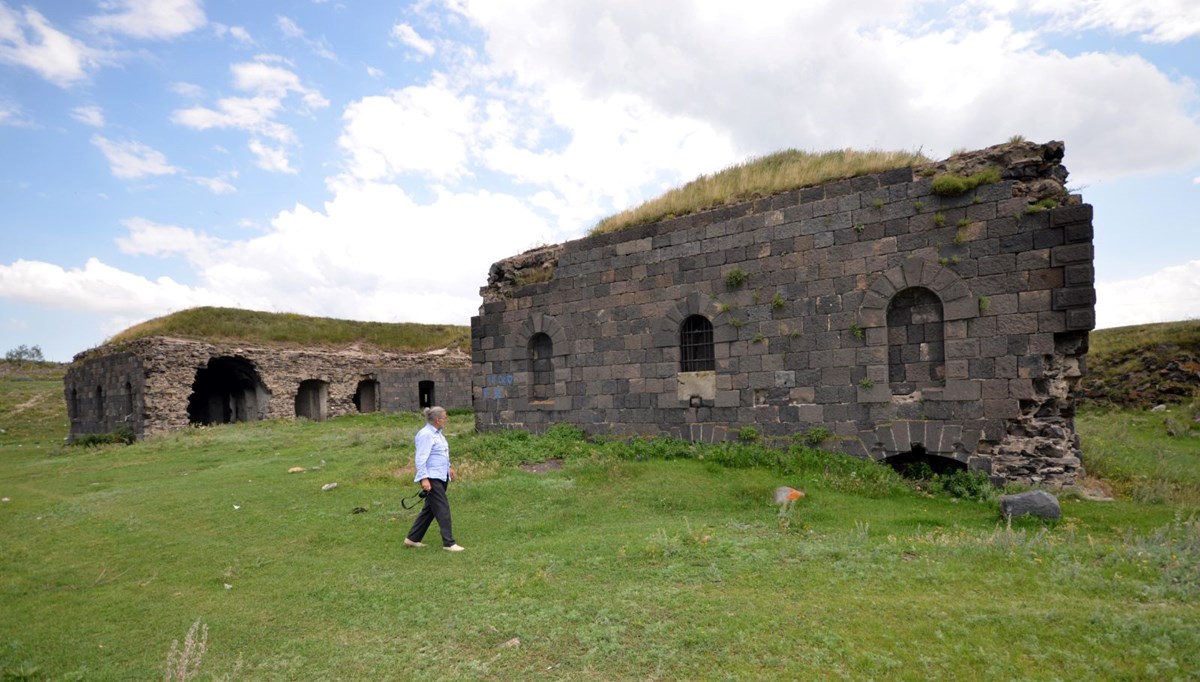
{"points": [[901, 320]]}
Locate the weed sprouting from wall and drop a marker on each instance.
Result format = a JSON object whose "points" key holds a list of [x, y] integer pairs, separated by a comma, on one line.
{"points": [[953, 185]]}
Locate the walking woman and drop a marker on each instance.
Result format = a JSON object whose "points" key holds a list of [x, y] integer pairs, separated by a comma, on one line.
{"points": [[433, 473]]}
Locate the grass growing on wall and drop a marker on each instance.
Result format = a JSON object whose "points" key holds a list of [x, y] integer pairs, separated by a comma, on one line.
{"points": [[763, 176], [232, 324]]}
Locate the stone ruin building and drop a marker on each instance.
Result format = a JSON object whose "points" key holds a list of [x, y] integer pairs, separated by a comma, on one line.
{"points": [[161, 384], [912, 324]]}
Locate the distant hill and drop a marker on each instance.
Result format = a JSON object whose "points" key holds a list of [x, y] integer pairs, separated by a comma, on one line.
{"points": [[290, 329], [1144, 365]]}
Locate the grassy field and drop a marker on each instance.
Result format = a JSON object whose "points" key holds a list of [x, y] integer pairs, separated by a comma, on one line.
{"points": [[651, 561]]}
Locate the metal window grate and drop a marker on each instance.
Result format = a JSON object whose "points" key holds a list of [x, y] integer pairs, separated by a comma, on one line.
{"points": [[696, 345]]}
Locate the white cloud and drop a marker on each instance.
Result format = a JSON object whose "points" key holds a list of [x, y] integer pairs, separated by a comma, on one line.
{"points": [[1170, 294], [10, 115], [269, 87], [156, 19], [291, 30], [273, 159], [147, 238], [424, 129], [408, 35], [130, 160], [826, 74], [1158, 21], [89, 115], [189, 90], [215, 185], [238, 33], [375, 73], [28, 40], [98, 288]]}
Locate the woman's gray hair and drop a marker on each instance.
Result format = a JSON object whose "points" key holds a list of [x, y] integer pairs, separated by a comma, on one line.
{"points": [[432, 413]]}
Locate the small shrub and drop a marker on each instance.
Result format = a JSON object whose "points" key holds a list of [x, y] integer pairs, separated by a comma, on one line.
{"points": [[939, 219], [878, 203], [816, 435], [736, 323], [963, 222], [960, 237], [735, 278], [758, 338], [122, 436], [748, 434], [722, 307], [857, 331], [918, 206], [858, 227], [984, 304], [1016, 138], [1043, 205], [866, 382], [948, 185], [778, 301], [967, 485]]}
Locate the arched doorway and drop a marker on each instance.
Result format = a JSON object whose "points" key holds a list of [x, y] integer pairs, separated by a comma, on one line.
{"points": [[425, 396], [366, 396], [227, 390], [312, 400]]}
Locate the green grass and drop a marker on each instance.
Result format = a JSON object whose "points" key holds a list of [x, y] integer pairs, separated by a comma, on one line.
{"points": [[653, 560], [779, 172], [232, 324], [948, 185]]}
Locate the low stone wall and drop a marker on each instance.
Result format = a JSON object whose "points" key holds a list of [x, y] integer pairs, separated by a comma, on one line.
{"points": [[148, 385]]}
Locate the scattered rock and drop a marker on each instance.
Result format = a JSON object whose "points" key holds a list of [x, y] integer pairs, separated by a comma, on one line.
{"points": [[1033, 503], [542, 467], [296, 470], [5, 500], [1159, 408], [329, 486], [513, 643]]}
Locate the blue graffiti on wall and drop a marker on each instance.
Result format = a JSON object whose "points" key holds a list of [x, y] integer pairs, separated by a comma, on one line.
{"points": [[495, 385]]}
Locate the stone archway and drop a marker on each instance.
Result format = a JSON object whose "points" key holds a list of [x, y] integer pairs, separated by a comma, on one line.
{"points": [[312, 400], [227, 390], [366, 396]]}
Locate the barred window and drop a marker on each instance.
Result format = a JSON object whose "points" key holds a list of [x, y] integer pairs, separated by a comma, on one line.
{"points": [[541, 366], [696, 345]]}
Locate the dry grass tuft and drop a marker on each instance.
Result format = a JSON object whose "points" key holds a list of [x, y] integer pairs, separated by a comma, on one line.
{"points": [[779, 172], [183, 664]]}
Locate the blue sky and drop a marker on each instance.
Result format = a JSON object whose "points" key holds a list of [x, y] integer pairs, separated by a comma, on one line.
{"points": [[371, 160]]}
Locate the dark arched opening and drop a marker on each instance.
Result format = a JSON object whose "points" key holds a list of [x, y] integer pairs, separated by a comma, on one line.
{"points": [[425, 397], [920, 465], [129, 400], [366, 396], [312, 400], [227, 390]]}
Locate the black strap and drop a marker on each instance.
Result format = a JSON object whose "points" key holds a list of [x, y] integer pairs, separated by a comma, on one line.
{"points": [[420, 496]]}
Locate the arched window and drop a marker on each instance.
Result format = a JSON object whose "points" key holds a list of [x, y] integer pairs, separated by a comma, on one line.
{"points": [[541, 366], [129, 399], [696, 345], [916, 342]]}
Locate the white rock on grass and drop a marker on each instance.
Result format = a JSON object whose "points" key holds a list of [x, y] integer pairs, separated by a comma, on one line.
{"points": [[329, 486]]}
